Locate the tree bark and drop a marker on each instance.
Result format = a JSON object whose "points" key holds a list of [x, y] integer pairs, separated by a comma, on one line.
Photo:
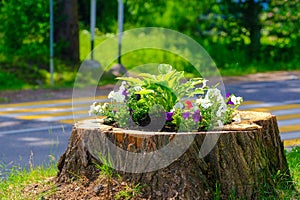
{"points": [[67, 30], [252, 23], [245, 157]]}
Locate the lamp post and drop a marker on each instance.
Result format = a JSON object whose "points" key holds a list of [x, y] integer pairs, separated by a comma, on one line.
{"points": [[120, 28], [51, 44], [93, 24]]}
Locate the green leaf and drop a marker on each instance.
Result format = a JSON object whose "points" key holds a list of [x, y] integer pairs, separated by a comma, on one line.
{"points": [[145, 91], [130, 80], [146, 75], [196, 91]]}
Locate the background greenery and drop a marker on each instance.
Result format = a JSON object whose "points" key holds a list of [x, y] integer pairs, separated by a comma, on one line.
{"points": [[242, 36]]}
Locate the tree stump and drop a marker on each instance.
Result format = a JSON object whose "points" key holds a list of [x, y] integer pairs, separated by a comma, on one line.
{"points": [[244, 159]]}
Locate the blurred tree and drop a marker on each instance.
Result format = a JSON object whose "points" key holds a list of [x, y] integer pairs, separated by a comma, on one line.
{"points": [[236, 20], [107, 13], [281, 26], [177, 15], [24, 27], [67, 30], [251, 21]]}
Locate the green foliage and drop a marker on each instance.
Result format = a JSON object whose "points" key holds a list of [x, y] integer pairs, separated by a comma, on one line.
{"points": [[166, 98], [129, 192], [222, 27], [167, 86], [24, 40], [293, 158], [24, 28], [9, 81], [13, 186], [105, 167]]}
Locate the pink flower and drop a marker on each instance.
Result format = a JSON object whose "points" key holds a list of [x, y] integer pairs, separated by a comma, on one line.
{"points": [[189, 104]]}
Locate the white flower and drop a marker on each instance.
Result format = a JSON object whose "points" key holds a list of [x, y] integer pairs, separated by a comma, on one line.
{"points": [[205, 103], [95, 108], [138, 88], [91, 111], [119, 97], [214, 92], [236, 100], [111, 95], [98, 108], [104, 106], [204, 83], [221, 110], [122, 86]]}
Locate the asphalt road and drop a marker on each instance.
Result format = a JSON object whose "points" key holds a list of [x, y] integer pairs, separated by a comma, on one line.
{"points": [[268, 91], [37, 133], [25, 143]]}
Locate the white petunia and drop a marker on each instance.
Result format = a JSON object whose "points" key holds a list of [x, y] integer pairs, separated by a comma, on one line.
{"points": [[111, 95], [205, 103], [104, 106], [236, 100], [119, 97], [94, 109]]}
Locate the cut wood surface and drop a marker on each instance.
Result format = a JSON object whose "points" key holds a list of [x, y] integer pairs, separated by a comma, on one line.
{"points": [[238, 160]]}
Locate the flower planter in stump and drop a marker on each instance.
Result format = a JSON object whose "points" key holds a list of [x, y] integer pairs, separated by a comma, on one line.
{"points": [[244, 159]]}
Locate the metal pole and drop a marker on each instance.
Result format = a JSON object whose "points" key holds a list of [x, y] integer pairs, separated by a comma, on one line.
{"points": [[51, 45], [93, 25], [120, 28]]}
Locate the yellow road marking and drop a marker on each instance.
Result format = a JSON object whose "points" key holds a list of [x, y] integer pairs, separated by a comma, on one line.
{"points": [[53, 109], [290, 128], [251, 103], [72, 121], [286, 117], [52, 101], [29, 117], [294, 142], [56, 108], [279, 107]]}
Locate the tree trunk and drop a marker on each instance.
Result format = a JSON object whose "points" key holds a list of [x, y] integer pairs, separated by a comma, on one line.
{"points": [[244, 158], [67, 30], [252, 23]]}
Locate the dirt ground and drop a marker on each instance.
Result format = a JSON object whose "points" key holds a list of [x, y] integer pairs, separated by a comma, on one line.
{"points": [[102, 188], [48, 94]]}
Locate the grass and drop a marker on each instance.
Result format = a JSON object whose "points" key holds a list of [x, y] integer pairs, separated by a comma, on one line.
{"points": [[293, 158], [13, 187], [17, 181]]}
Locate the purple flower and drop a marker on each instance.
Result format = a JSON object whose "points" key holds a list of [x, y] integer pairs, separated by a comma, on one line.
{"points": [[138, 97], [197, 116], [228, 94], [124, 92], [229, 102], [186, 115], [169, 116]]}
